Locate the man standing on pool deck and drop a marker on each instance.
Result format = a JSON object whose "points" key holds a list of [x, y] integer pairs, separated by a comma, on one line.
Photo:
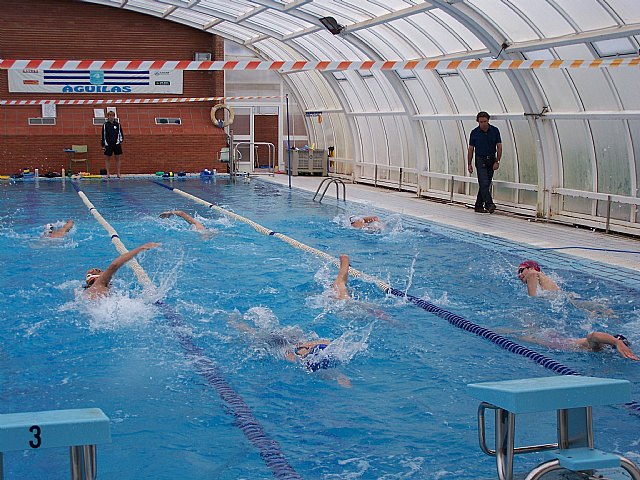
{"points": [[485, 141], [98, 280], [112, 138]]}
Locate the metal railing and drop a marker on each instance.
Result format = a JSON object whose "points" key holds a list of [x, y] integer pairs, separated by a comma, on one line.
{"points": [[449, 192], [328, 182], [270, 156]]}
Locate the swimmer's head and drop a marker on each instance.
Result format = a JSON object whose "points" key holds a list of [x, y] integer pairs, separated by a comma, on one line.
{"points": [[624, 339], [92, 275], [48, 228], [528, 264]]}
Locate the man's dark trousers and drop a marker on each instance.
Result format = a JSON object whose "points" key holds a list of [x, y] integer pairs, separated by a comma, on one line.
{"points": [[484, 169]]}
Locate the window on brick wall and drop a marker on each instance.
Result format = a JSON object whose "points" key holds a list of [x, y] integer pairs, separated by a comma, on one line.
{"points": [[168, 121], [42, 121], [99, 121]]}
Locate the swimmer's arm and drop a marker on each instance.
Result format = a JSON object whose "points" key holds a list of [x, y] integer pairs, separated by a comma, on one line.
{"points": [[67, 226], [371, 219], [184, 216], [62, 231], [532, 283], [596, 339], [108, 274]]}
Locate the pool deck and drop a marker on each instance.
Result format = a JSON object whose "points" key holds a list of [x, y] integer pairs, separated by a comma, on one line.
{"points": [[498, 227]]}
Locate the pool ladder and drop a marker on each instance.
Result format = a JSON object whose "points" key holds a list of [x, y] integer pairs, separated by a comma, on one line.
{"points": [[327, 182]]}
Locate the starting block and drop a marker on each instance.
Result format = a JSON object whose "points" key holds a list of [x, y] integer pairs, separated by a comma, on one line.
{"points": [[573, 398], [80, 429]]}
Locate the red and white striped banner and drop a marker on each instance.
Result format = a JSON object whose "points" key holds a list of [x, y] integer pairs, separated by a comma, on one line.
{"points": [[317, 65], [134, 101]]}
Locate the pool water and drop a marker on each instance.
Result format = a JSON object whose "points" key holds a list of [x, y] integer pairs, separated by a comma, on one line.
{"points": [[406, 414]]}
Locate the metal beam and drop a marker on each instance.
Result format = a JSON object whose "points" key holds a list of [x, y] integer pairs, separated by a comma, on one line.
{"points": [[212, 23], [169, 11], [576, 38], [250, 13], [389, 17], [295, 4], [300, 33]]}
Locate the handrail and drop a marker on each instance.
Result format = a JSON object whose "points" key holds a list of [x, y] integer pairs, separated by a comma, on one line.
{"points": [[336, 182], [270, 158], [598, 196]]}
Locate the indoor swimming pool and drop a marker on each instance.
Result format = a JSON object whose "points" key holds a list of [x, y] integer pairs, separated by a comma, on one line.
{"points": [[400, 410]]}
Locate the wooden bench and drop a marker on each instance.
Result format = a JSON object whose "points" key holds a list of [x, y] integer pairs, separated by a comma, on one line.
{"points": [[80, 429], [573, 398]]}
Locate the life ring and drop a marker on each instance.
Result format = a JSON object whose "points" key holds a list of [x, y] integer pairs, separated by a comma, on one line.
{"points": [[222, 123]]}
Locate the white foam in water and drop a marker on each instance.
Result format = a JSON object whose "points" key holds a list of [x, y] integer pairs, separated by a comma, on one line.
{"points": [[122, 308], [117, 311], [262, 317]]}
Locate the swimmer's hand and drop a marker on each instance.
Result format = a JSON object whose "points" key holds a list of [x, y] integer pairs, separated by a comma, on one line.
{"points": [[625, 351], [166, 214], [149, 245]]}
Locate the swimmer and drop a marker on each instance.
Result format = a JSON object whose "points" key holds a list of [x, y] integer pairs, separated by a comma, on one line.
{"points": [[98, 280], [594, 342], [310, 354], [529, 272], [371, 222], [51, 232], [192, 221], [340, 283]]}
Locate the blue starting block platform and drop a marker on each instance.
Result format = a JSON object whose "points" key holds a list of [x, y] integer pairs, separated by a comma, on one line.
{"points": [[80, 429], [573, 398]]}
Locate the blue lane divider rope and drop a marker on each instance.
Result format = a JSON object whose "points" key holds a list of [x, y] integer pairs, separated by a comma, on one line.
{"points": [[270, 450], [452, 318]]}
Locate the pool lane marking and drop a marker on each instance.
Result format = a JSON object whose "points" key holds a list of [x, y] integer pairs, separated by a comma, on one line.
{"points": [[452, 318], [270, 450], [143, 278]]}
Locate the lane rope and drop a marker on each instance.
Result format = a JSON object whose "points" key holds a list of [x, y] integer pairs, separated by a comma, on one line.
{"points": [[452, 318], [270, 450]]}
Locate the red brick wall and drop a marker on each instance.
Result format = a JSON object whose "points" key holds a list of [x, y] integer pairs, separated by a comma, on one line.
{"points": [[66, 29], [266, 130]]}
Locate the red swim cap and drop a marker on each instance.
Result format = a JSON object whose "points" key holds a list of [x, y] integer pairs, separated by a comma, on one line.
{"points": [[530, 264]]}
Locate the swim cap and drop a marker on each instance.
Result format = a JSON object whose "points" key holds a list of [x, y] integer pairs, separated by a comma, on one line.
{"points": [[530, 264], [48, 228], [623, 338]]}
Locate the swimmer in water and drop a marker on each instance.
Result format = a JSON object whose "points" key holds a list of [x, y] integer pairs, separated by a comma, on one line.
{"points": [[192, 221], [529, 272], [98, 280], [340, 283], [50, 230], [594, 342], [370, 222]]}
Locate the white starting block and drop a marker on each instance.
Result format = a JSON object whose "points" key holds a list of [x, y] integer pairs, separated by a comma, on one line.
{"points": [[572, 397], [80, 429]]}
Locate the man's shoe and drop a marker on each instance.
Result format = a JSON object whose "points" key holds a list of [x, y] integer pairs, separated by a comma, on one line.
{"points": [[491, 209], [481, 210]]}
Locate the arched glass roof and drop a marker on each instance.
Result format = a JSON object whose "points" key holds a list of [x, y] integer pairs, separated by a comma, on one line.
{"points": [[571, 136]]}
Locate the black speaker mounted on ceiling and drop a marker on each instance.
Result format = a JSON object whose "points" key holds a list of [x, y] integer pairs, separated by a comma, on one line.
{"points": [[332, 25]]}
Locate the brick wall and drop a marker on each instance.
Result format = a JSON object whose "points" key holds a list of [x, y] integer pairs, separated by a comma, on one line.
{"points": [[66, 29], [266, 130]]}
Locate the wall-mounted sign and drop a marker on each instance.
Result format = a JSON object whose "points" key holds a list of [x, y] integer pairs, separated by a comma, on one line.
{"points": [[33, 80]]}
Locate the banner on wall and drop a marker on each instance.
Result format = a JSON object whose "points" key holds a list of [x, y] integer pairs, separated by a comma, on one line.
{"points": [[34, 80]]}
